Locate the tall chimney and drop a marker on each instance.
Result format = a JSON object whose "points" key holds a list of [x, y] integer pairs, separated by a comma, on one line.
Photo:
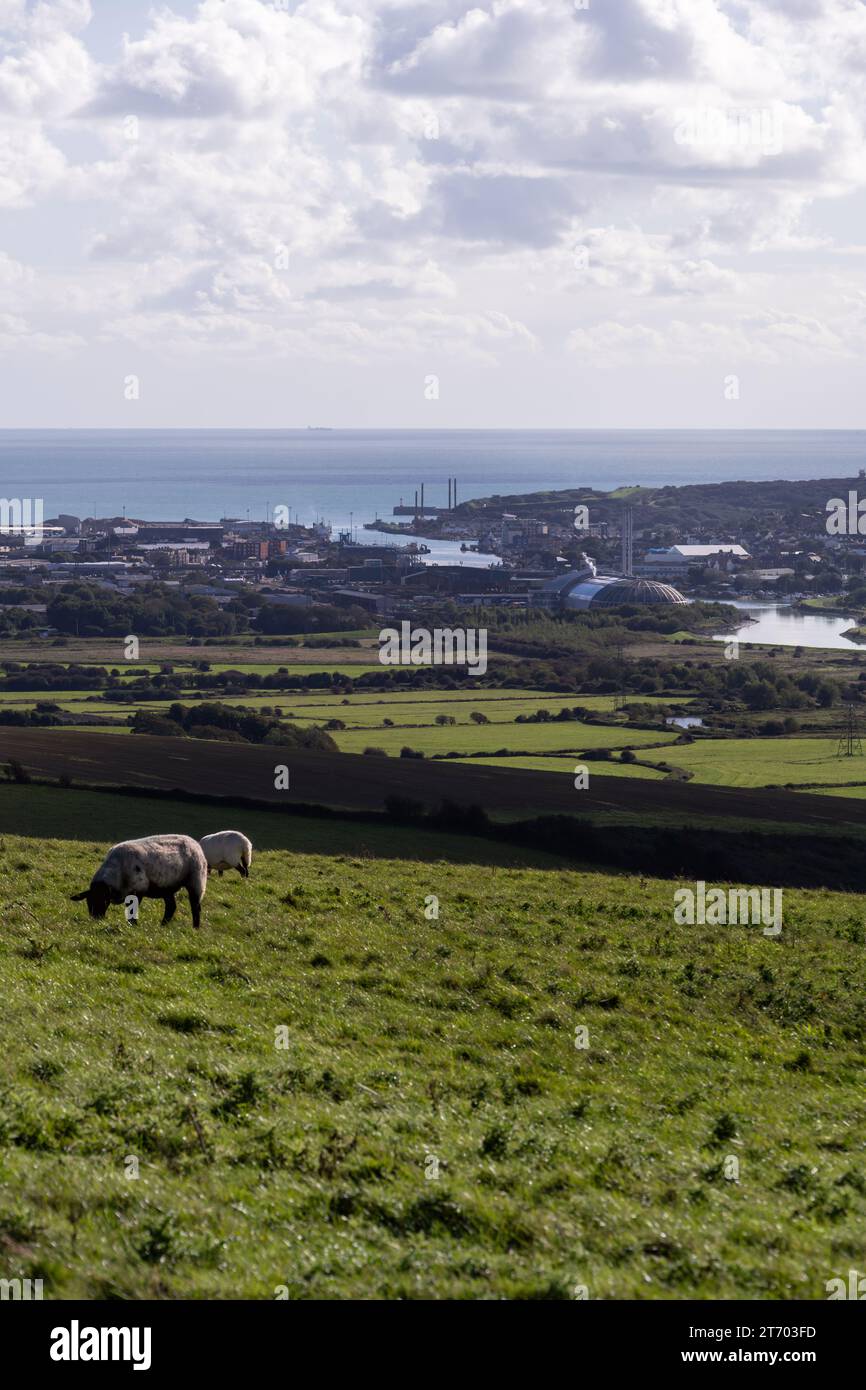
{"points": [[449, 494], [455, 492], [627, 541], [422, 497]]}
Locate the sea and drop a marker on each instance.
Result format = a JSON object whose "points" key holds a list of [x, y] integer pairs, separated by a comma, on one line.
{"points": [[349, 477]]}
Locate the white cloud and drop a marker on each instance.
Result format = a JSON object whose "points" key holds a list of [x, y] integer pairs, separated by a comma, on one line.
{"points": [[768, 338], [44, 70], [366, 180], [430, 336], [17, 334], [30, 166], [630, 259], [236, 58]]}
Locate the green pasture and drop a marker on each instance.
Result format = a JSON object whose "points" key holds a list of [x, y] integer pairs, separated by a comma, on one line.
{"points": [[489, 738], [612, 768], [548, 1091], [762, 762]]}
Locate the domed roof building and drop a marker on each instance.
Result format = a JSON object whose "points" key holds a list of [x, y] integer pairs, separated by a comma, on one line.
{"points": [[600, 592], [583, 588]]}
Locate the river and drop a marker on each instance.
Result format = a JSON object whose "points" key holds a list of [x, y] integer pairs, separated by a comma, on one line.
{"points": [[781, 625], [441, 552]]}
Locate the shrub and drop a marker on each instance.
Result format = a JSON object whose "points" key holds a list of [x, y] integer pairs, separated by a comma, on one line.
{"points": [[404, 808], [146, 723], [451, 816], [213, 731]]}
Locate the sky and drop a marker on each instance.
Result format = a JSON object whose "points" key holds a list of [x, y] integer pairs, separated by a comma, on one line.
{"points": [[441, 214]]}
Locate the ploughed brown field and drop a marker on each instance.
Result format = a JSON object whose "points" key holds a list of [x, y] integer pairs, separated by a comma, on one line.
{"points": [[354, 782]]}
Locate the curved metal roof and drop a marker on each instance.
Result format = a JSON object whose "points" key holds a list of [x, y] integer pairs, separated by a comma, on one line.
{"points": [[604, 592], [638, 591]]}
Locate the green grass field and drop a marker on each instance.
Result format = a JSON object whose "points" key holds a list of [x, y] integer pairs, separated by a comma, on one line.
{"points": [[358, 711], [429, 1129], [858, 791], [613, 768], [497, 711], [489, 738], [496, 704], [761, 762]]}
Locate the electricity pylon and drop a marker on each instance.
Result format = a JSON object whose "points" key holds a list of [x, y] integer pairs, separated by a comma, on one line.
{"points": [[849, 741]]}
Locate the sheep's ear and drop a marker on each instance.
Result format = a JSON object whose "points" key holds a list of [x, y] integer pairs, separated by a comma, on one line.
{"points": [[78, 897]]}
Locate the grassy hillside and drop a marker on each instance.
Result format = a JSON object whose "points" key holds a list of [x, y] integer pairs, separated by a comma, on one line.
{"points": [[416, 1043]]}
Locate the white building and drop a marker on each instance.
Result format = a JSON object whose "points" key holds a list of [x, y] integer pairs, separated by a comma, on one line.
{"points": [[675, 561]]}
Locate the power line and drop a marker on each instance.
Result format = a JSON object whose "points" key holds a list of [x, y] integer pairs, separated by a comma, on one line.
{"points": [[849, 741]]}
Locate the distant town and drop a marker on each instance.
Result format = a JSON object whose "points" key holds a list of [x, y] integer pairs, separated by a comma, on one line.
{"points": [[554, 551]]}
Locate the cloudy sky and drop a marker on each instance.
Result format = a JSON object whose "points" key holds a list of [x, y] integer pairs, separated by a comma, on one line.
{"points": [[512, 213]]}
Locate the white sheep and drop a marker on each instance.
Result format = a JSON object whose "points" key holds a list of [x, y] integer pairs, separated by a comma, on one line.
{"points": [[156, 867], [228, 849]]}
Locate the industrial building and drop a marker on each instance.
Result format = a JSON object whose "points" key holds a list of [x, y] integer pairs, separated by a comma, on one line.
{"points": [[581, 589], [675, 561]]}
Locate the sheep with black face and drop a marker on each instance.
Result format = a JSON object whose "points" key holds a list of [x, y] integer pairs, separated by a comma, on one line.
{"points": [[158, 866]]}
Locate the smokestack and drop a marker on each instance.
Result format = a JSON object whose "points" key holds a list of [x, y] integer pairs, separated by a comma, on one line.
{"points": [[416, 504], [449, 494], [455, 492], [627, 541], [422, 497]]}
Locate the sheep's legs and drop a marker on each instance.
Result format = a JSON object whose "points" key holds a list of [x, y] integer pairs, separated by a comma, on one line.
{"points": [[195, 905], [170, 908], [243, 871]]}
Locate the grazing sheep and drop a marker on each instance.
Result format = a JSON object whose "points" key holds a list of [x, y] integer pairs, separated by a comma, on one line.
{"points": [[228, 849], [155, 867]]}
